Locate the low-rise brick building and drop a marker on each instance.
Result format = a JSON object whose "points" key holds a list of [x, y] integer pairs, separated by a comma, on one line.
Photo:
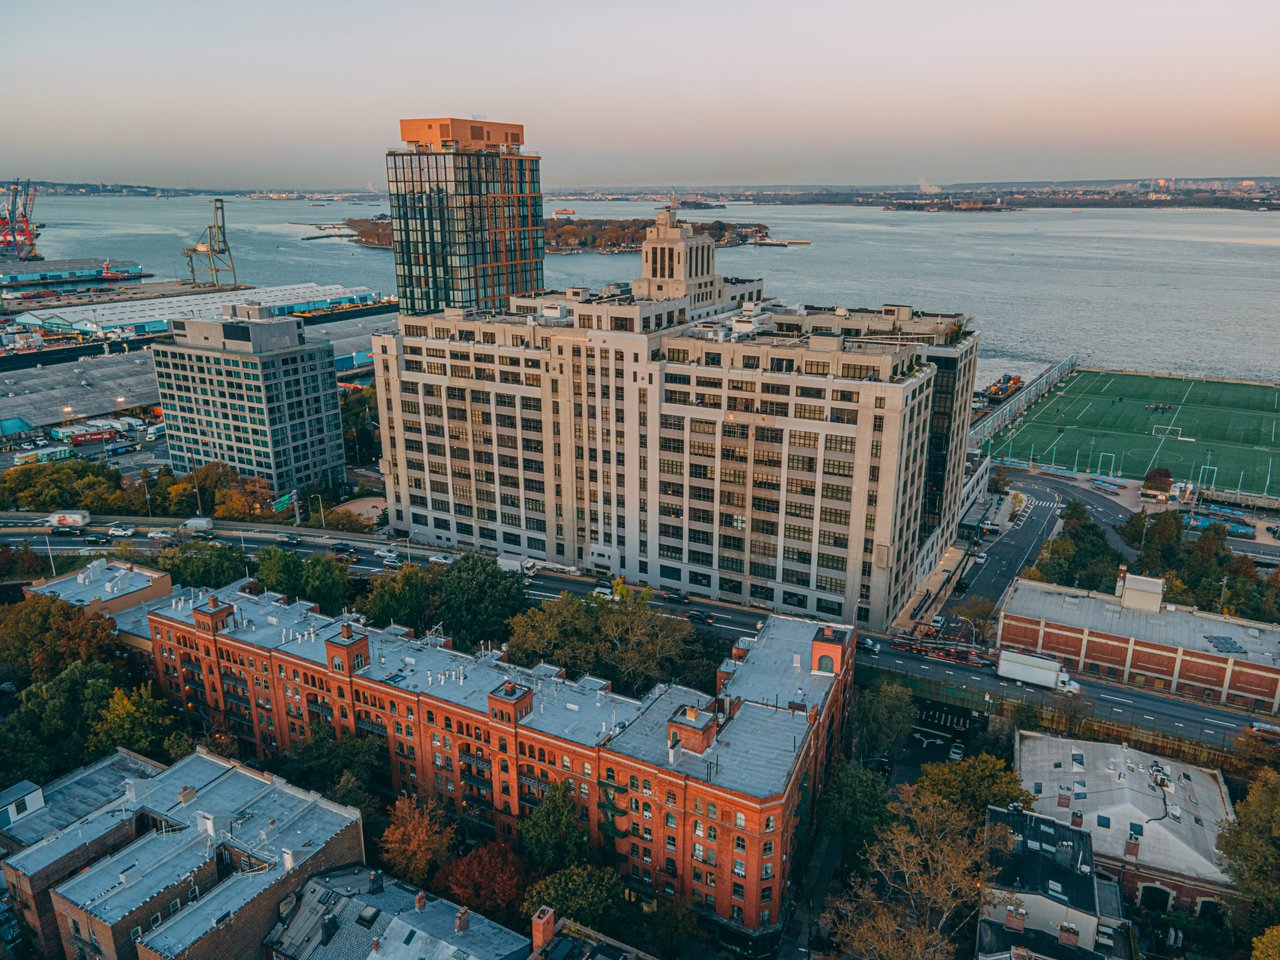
{"points": [[1135, 637], [190, 862], [1154, 822], [710, 795]]}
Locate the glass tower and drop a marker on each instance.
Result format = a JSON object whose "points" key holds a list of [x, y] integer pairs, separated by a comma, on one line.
{"points": [[466, 215]]}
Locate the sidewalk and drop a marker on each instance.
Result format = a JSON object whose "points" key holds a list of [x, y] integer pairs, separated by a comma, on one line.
{"points": [[811, 894]]}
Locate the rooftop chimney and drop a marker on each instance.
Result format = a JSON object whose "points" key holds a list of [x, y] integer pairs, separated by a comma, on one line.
{"points": [[346, 633], [462, 921], [691, 713], [328, 927], [544, 928], [376, 945], [420, 902], [828, 632], [375, 881], [213, 602], [187, 794]]}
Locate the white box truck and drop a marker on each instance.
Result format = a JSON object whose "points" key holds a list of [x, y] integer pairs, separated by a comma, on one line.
{"points": [[1035, 670], [67, 518], [198, 523], [518, 565]]}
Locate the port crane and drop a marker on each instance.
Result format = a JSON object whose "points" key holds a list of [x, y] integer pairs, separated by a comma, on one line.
{"points": [[17, 235], [210, 260]]}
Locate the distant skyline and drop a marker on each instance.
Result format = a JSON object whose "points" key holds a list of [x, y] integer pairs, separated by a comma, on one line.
{"points": [[309, 94]]}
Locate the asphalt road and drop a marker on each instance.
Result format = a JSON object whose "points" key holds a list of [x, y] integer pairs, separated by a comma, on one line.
{"points": [[1206, 723], [546, 585]]}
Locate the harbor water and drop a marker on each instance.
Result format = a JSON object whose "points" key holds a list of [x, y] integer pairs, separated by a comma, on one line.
{"points": [[1185, 291]]}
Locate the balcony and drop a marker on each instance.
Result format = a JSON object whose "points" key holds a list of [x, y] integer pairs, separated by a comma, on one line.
{"points": [[530, 800], [479, 762], [610, 829], [607, 808], [315, 706], [612, 785], [235, 698], [478, 782], [533, 782], [369, 726]]}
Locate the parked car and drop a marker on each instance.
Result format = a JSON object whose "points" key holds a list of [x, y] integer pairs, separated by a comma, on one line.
{"points": [[28, 446], [41, 442], [956, 752], [386, 553], [159, 535], [444, 558], [980, 558], [676, 596], [391, 563], [120, 532], [938, 622], [697, 616]]}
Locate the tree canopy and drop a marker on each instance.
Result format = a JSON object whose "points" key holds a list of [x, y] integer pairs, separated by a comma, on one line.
{"points": [[135, 720], [1251, 844], [589, 895], [973, 784], [854, 809], [553, 836], [43, 635], [1080, 555], [416, 841], [197, 564], [491, 880], [881, 720]]}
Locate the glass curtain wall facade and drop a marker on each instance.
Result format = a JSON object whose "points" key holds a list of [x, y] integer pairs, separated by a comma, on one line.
{"points": [[467, 228]]}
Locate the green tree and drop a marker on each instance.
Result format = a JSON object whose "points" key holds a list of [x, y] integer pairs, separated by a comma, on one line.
{"points": [[881, 721], [359, 436], [135, 720], [974, 784], [409, 597], [320, 763], [982, 614], [477, 599], [326, 583], [280, 571], [1251, 844], [43, 635], [854, 809], [350, 792], [178, 744], [46, 735], [591, 896], [1266, 946], [196, 564], [416, 841], [553, 836], [998, 480]]}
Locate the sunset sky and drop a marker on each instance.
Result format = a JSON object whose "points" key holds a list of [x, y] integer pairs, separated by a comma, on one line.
{"points": [[308, 94]]}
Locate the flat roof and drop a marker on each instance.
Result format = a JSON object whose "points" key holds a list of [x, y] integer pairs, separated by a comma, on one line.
{"points": [[34, 269], [390, 915], [103, 579], [1171, 625], [77, 793], [752, 753], [776, 666], [1050, 858], [1173, 807], [91, 384], [277, 825], [195, 306]]}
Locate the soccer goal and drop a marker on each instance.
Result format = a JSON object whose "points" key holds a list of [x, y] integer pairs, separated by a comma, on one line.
{"points": [[1167, 430]]}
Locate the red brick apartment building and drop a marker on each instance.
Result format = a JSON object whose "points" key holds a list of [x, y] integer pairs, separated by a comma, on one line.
{"points": [[699, 794], [1135, 637]]}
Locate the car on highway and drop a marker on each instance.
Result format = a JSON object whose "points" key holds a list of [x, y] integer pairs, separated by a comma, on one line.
{"points": [[604, 593], [96, 538], [159, 535], [65, 531], [980, 558], [343, 547], [345, 556], [120, 532], [676, 596], [203, 535], [443, 558], [287, 538], [868, 645], [391, 563], [956, 752], [386, 553], [697, 616]]}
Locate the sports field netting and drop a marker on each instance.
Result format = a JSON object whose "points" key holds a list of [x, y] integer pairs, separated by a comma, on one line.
{"points": [[1209, 432]]}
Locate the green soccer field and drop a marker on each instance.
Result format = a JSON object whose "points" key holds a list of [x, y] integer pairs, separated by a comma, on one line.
{"points": [[1209, 432]]}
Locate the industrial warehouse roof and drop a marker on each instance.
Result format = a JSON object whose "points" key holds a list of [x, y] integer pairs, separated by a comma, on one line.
{"points": [[101, 317], [1173, 808], [391, 916], [89, 387], [35, 270], [1171, 625]]}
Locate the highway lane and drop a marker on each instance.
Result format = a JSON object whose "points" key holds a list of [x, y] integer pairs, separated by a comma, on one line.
{"points": [[1134, 706]]}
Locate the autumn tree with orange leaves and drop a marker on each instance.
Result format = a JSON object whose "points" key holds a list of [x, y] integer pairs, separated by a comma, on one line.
{"points": [[416, 842]]}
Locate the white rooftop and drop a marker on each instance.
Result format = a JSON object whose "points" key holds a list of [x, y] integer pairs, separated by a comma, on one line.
{"points": [[1174, 809], [103, 579]]}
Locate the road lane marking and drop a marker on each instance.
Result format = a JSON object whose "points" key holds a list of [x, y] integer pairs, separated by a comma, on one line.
{"points": [[1221, 723], [1107, 696]]}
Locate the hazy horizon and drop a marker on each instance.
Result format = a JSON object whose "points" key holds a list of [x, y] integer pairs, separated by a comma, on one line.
{"points": [[309, 95]]}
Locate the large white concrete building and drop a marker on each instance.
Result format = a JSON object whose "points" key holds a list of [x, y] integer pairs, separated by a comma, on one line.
{"points": [[685, 433]]}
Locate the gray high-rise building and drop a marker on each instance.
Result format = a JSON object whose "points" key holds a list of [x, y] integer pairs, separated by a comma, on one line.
{"points": [[252, 391]]}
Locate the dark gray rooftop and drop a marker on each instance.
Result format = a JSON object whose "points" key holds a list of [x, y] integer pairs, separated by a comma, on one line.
{"points": [[1050, 858], [390, 915], [79, 792]]}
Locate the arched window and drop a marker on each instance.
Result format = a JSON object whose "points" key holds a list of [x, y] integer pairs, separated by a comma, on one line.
{"points": [[542, 755], [358, 661], [634, 805], [648, 811], [609, 776], [502, 765], [634, 782], [711, 831], [826, 664], [586, 769], [646, 788]]}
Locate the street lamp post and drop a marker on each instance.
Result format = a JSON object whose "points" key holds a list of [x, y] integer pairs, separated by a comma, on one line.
{"points": [[972, 626], [316, 496]]}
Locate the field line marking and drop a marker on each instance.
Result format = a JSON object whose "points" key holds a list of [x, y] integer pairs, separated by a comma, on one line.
{"points": [[1085, 410], [1160, 445]]}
